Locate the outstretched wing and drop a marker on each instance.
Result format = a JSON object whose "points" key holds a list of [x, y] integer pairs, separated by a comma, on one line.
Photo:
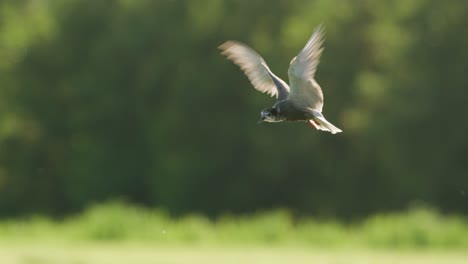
{"points": [[305, 91], [256, 69]]}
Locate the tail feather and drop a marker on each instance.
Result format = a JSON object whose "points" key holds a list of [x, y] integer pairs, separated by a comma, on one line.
{"points": [[320, 123]]}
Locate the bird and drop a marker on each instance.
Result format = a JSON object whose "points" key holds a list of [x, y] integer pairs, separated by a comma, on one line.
{"points": [[302, 99]]}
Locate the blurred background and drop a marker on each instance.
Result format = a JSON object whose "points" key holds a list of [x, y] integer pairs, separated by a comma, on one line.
{"points": [[131, 101]]}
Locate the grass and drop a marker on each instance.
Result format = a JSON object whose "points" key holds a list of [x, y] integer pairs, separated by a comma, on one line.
{"points": [[118, 222], [143, 254], [119, 233]]}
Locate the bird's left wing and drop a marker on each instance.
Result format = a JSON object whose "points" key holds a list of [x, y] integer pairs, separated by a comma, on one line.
{"points": [[305, 91], [256, 69]]}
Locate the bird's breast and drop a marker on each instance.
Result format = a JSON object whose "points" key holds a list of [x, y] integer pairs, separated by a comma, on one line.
{"points": [[289, 112]]}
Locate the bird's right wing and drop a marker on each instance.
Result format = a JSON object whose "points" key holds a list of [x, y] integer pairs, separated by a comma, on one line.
{"points": [[256, 69]]}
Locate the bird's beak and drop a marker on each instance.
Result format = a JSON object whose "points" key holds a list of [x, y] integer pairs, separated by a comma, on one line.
{"points": [[261, 120]]}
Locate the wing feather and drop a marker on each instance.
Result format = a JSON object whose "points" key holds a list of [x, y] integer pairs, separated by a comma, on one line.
{"points": [[305, 91], [256, 69]]}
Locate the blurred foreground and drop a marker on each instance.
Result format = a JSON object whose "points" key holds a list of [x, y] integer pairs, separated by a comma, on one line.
{"points": [[124, 254], [120, 223], [118, 233]]}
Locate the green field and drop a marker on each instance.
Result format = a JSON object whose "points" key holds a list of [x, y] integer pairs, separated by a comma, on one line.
{"points": [[142, 254], [119, 233]]}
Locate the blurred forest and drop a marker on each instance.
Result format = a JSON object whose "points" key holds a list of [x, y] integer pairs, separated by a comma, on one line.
{"points": [[125, 99]]}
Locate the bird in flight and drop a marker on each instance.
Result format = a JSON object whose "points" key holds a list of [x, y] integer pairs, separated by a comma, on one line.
{"points": [[303, 99]]}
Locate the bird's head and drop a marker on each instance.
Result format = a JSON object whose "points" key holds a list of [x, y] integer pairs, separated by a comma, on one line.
{"points": [[268, 115]]}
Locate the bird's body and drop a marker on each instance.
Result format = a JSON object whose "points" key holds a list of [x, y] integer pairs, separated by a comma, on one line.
{"points": [[303, 100], [287, 112]]}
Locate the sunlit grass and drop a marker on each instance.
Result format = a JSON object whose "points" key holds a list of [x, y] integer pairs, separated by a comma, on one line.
{"points": [[119, 233], [142, 254], [118, 222]]}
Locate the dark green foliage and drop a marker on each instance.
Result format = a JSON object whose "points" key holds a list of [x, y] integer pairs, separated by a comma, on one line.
{"points": [[131, 99]]}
